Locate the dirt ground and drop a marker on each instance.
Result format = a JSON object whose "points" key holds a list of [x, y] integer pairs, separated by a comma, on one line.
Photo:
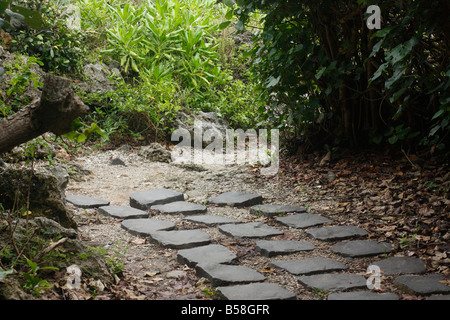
{"points": [[337, 192]]}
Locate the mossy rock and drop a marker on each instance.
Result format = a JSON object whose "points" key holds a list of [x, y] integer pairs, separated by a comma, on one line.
{"points": [[46, 189]]}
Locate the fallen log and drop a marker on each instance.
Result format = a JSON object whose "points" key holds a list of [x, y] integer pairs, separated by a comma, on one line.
{"points": [[53, 112]]}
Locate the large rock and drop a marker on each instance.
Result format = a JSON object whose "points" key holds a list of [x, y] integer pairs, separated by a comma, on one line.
{"points": [[201, 123], [46, 187], [98, 77], [77, 252], [11, 289], [155, 153]]}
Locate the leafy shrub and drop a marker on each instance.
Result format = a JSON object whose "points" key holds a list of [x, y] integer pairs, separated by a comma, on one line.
{"points": [[176, 35], [24, 75], [58, 47], [331, 79]]}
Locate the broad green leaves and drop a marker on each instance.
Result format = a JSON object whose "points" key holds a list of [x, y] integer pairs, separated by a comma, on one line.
{"points": [[327, 74], [174, 34], [20, 15]]}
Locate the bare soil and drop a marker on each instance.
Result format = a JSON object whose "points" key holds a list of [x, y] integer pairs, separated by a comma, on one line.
{"points": [[148, 268]]}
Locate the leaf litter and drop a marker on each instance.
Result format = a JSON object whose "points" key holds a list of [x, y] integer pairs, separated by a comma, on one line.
{"points": [[388, 197]]}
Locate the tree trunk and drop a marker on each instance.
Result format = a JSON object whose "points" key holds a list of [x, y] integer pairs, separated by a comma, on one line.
{"points": [[53, 112]]}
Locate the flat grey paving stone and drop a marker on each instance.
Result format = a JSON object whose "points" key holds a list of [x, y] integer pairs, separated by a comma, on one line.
{"points": [[361, 248], [235, 199], [255, 291], [213, 253], [439, 297], [334, 282], [363, 295], [271, 248], [249, 230], [421, 284], [86, 202], [211, 220], [123, 212], [400, 265], [146, 199], [309, 266], [302, 220], [180, 239], [336, 233], [225, 274], [145, 226], [183, 207], [271, 210]]}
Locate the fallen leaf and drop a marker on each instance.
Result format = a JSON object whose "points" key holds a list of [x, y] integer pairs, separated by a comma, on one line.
{"points": [[138, 241], [150, 274]]}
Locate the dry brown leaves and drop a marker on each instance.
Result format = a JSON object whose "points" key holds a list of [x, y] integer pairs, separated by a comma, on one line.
{"points": [[403, 200]]}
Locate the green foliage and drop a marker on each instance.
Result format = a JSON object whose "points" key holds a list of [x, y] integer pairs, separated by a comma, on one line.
{"points": [[174, 35], [141, 109], [173, 56], [29, 17], [23, 74], [33, 282], [113, 257], [332, 80], [58, 47]]}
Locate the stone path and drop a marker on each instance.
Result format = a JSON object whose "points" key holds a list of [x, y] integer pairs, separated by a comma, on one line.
{"points": [[233, 280]]}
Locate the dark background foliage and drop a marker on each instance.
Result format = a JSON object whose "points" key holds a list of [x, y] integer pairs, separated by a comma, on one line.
{"points": [[334, 81]]}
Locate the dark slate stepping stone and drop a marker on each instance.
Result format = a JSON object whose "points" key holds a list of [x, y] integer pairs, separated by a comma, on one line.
{"points": [[361, 248], [439, 297], [303, 220], [334, 282], [400, 265], [145, 226], [336, 233], [255, 291], [180, 239], [270, 248], [235, 199], [224, 274], [415, 284], [309, 266], [363, 295], [271, 210], [123, 212], [86, 202], [249, 230], [183, 207], [211, 220], [146, 199], [213, 253]]}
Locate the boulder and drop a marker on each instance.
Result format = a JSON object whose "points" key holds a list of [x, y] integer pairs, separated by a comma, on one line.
{"points": [[155, 153], [200, 123], [98, 77], [92, 262], [46, 188]]}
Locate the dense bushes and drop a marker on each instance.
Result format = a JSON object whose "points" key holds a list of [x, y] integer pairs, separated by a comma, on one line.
{"points": [[173, 54], [334, 81], [60, 49]]}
